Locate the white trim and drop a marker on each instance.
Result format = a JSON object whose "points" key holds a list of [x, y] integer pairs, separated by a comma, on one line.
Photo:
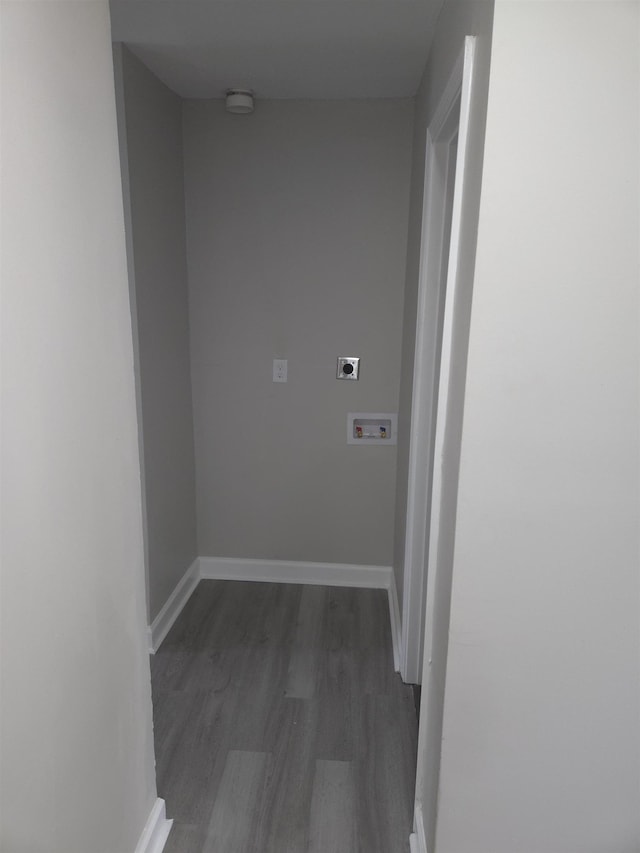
{"points": [[163, 622], [421, 437], [441, 519], [418, 841], [447, 376], [396, 630], [443, 430], [121, 113], [449, 95], [291, 571], [156, 831]]}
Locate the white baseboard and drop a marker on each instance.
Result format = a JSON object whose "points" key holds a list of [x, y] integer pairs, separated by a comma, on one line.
{"points": [[418, 841], [396, 627], [290, 571], [163, 622], [154, 835]]}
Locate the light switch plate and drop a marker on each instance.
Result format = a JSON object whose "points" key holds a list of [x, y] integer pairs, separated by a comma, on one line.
{"points": [[348, 367]]}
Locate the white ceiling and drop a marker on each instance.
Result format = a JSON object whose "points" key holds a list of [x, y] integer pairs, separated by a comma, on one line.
{"points": [[285, 49]]}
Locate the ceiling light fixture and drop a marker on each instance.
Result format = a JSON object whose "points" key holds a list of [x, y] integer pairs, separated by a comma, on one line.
{"points": [[239, 101]]}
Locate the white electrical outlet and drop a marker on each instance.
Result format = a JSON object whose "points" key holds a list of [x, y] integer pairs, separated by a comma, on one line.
{"points": [[279, 369]]}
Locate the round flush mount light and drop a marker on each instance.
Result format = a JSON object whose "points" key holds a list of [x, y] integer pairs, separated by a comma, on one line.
{"points": [[239, 101]]}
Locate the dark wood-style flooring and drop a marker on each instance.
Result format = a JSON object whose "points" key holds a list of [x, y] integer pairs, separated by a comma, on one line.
{"points": [[280, 725]]}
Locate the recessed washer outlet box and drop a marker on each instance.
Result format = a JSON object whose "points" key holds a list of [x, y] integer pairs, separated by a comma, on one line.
{"points": [[348, 367], [379, 428]]}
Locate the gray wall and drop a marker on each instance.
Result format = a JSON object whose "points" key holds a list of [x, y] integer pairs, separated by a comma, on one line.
{"points": [[150, 117], [77, 769], [459, 18], [296, 223], [541, 744]]}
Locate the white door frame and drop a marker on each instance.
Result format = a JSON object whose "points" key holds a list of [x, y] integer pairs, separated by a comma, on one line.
{"points": [[446, 438], [432, 297]]}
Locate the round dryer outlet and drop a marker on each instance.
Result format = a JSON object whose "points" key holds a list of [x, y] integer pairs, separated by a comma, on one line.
{"points": [[348, 367]]}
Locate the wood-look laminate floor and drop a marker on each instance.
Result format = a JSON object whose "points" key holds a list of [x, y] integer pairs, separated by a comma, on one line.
{"points": [[280, 725]]}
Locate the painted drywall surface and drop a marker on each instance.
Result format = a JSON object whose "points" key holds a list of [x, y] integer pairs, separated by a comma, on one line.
{"points": [[296, 232], [317, 51], [458, 18], [541, 738], [77, 766], [154, 193]]}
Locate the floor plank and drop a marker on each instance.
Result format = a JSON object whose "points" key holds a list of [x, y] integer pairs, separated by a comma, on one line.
{"points": [[232, 823], [333, 816], [303, 666], [276, 704], [285, 818]]}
